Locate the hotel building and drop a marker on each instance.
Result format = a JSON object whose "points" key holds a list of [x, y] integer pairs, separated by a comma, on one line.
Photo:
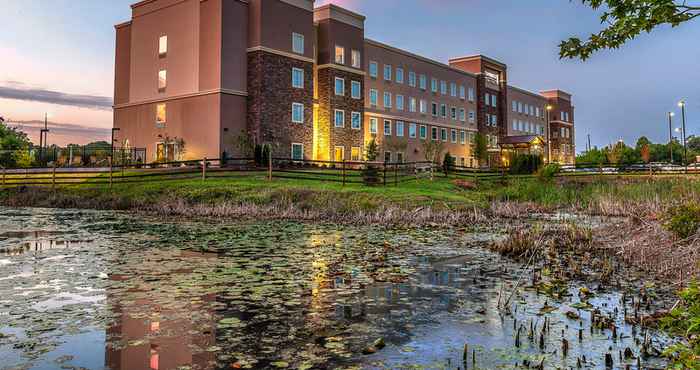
{"points": [[196, 78]]}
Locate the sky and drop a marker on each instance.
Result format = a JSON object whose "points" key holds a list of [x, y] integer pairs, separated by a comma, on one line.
{"points": [[58, 57]]}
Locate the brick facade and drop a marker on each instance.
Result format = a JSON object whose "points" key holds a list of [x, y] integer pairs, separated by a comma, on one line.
{"points": [[328, 101]]}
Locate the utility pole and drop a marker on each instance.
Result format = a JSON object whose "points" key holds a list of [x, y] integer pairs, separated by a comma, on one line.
{"points": [[670, 134], [589, 143], [44, 138], [685, 147]]}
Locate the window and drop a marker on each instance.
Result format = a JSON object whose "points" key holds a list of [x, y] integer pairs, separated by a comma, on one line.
{"points": [[462, 115], [297, 151], [434, 133], [462, 92], [387, 72], [297, 113], [563, 133], [423, 106], [339, 153], [471, 94], [453, 113], [462, 137], [472, 116], [161, 113], [373, 97], [537, 111], [339, 118], [487, 99], [373, 69], [339, 55], [434, 85], [399, 157], [298, 43], [443, 134], [387, 127], [494, 120], [399, 128], [520, 107], [515, 106], [412, 104], [373, 126], [162, 80], [387, 156], [412, 79], [355, 153], [515, 125], [423, 81], [443, 87], [387, 99], [356, 59], [525, 109], [339, 86], [453, 134], [163, 46], [412, 130], [399, 102], [494, 100], [297, 78], [399, 75], [453, 89], [434, 109], [356, 89], [423, 132], [443, 110], [356, 120]]}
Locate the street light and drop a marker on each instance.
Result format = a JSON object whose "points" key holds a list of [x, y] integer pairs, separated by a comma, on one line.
{"points": [[548, 109], [670, 134], [685, 147]]}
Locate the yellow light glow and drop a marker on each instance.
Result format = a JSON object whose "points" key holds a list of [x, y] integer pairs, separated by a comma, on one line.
{"points": [[549, 107]]}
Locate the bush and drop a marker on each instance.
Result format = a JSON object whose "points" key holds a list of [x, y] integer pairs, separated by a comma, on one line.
{"points": [[525, 164], [448, 163], [262, 155], [684, 320], [684, 220], [548, 172], [370, 172]]}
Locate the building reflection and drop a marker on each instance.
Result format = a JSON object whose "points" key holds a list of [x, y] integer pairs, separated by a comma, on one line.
{"points": [[156, 327], [40, 245]]}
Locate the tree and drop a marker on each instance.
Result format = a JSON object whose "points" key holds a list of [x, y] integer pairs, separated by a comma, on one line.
{"points": [[645, 153], [625, 20], [14, 147], [370, 172], [480, 148], [432, 150], [448, 163], [641, 142]]}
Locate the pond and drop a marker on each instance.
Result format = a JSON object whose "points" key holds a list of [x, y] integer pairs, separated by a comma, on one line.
{"points": [[109, 290]]}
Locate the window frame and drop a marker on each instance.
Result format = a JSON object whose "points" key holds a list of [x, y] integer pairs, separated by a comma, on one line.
{"points": [[298, 105], [298, 36], [339, 58], [299, 145], [357, 84], [387, 124], [359, 120], [335, 118], [373, 69], [335, 86], [295, 69]]}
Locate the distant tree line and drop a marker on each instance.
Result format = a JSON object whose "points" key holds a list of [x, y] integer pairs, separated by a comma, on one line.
{"points": [[643, 152]]}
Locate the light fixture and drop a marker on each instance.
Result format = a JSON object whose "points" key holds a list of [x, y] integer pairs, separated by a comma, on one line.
{"points": [[681, 103], [671, 114]]}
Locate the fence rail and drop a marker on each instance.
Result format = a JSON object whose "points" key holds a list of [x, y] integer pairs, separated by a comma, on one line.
{"points": [[344, 172]]}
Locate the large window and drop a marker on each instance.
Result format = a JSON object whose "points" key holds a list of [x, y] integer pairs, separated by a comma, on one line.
{"points": [[298, 78], [339, 153], [434, 109], [423, 82], [462, 138], [387, 127], [412, 130], [412, 104], [162, 80], [356, 118], [387, 72], [471, 94], [423, 106], [355, 153], [434, 133], [297, 151], [399, 102], [339, 86], [373, 97], [373, 123], [163, 46], [453, 134], [453, 113], [387, 99], [423, 132], [339, 55], [443, 87], [399, 128], [373, 69], [356, 59], [412, 79], [356, 89], [161, 114], [399, 75], [297, 113], [443, 134], [462, 92], [443, 110], [339, 118], [434, 85], [462, 115], [298, 43], [453, 89]]}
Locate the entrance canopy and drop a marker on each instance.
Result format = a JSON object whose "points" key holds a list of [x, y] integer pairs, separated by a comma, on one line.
{"points": [[528, 142]]}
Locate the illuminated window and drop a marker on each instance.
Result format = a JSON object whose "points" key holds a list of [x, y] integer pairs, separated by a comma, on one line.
{"points": [[162, 80], [355, 153], [155, 326], [339, 153], [356, 59], [161, 115], [297, 43], [298, 78], [339, 55], [297, 113], [154, 359], [356, 120], [356, 89], [163, 46], [297, 151]]}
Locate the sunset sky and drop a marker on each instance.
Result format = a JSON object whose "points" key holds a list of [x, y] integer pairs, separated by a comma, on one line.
{"points": [[58, 56]]}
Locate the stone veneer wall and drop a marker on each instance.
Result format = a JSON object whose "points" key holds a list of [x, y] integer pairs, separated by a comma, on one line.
{"points": [[328, 103], [270, 98]]}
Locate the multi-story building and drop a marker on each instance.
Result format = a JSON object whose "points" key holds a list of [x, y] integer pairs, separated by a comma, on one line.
{"points": [[199, 78]]}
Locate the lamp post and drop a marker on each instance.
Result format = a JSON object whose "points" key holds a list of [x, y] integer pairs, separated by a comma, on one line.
{"points": [[549, 143], [685, 147], [670, 134]]}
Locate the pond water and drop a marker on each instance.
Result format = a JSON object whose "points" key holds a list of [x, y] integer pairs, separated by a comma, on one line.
{"points": [[107, 290]]}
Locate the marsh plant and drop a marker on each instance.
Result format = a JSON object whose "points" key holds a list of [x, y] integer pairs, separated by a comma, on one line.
{"points": [[684, 320], [684, 220]]}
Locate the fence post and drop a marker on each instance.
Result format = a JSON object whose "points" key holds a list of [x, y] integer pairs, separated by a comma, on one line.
{"points": [[396, 174], [204, 169], [110, 171], [3, 176], [269, 164], [53, 176], [343, 171], [384, 173]]}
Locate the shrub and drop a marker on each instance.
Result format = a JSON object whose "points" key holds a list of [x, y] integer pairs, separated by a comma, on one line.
{"points": [[262, 155], [448, 163], [684, 320], [525, 164], [684, 220], [370, 172], [548, 172]]}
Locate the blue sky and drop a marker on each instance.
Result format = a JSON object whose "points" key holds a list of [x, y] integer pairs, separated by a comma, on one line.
{"points": [[67, 47]]}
